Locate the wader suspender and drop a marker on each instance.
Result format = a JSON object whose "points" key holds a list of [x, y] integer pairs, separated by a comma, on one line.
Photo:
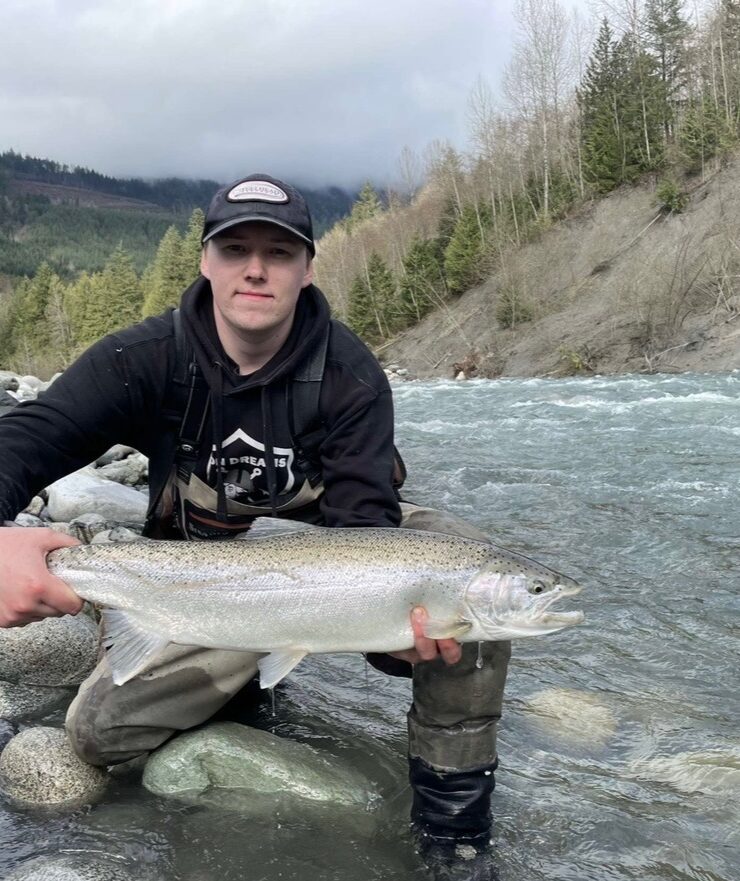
{"points": [[302, 399]]}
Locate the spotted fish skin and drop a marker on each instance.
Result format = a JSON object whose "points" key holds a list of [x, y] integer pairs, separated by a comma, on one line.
{"points": [[293, 589]]}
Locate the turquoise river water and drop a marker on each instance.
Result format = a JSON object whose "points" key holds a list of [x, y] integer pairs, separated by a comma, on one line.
{"points": [[620, 742]]}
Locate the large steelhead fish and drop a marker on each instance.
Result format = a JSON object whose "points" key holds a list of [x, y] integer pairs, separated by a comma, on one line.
{"points": [[288, 589]]}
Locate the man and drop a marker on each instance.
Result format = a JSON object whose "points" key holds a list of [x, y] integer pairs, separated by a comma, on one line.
{"points": [[212, 395]]}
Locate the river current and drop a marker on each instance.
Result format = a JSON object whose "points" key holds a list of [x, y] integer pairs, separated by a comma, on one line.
{"points": [[620, 741]]}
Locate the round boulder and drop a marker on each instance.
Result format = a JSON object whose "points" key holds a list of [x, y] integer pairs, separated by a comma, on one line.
{"points": [[53, 652], [39, 767], [19, 702], [85, 491], [248, 769]]}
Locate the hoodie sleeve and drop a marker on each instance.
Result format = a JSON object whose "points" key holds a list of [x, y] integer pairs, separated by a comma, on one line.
{"points": [[357, 455], [88, 408]]}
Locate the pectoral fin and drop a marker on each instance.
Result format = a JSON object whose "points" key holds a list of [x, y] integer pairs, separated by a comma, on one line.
{"points": [[277, 665], [130, 646], [455, 629]]}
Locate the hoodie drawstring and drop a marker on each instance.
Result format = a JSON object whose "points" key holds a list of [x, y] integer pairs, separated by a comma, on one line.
{"points": [[269, 448], [217, 426]]}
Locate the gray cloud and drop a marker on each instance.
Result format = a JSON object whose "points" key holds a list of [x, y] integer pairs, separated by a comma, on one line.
{"points": [[321, 92]]}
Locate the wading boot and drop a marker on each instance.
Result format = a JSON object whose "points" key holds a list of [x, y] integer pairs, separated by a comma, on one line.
{"points": [[452, 753]]}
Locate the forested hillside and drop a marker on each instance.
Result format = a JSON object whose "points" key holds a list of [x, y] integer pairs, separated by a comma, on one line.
{"points": [[643, 102], [73, 218], [647, 95]]}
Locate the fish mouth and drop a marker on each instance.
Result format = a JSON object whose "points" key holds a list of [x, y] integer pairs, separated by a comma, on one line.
{"points": [[563, 619]]}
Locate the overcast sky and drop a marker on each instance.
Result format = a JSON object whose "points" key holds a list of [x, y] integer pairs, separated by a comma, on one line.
{"points": [[316, 91]]}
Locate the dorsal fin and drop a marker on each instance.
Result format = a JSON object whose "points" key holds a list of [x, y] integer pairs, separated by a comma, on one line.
{"points": [[264, 527]]}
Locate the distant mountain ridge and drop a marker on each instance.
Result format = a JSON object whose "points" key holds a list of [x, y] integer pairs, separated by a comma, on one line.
{"points": [[74, 217]]}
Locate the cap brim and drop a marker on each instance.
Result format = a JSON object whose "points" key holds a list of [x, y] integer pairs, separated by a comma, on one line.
{"points": [[256, 218]]}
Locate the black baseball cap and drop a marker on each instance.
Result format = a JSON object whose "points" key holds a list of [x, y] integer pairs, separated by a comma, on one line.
{"points": [[259, 197]]}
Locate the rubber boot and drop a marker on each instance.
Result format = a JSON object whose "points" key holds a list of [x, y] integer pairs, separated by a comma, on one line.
{"points": [[452, 747]]}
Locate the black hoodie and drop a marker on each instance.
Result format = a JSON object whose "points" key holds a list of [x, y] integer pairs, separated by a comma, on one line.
{"points": [[120, 391]]}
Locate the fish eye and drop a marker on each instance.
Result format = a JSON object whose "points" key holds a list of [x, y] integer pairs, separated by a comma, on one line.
{"points": [[537, 587]]}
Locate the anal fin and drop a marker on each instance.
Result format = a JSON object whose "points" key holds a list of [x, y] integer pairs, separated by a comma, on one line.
{"points": [[277, 665], [130, 646]]}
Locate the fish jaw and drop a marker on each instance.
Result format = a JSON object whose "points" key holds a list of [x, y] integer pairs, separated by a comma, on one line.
{"points": [[507, 606]]}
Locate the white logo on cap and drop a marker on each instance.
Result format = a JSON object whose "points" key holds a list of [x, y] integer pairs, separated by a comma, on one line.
{"points": [[256, 191]]}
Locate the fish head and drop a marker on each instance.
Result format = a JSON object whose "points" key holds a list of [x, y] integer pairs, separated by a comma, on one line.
{"points": [[507, 605]]}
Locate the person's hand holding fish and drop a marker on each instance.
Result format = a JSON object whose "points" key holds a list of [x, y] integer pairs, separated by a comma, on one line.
{"points": [[426, 649], [28, 591]]}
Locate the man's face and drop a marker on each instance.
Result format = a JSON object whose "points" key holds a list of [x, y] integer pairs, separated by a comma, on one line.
{"points": [[256, 271]]}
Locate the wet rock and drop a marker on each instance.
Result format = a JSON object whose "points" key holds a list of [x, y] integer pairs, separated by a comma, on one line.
{"points": [[130, 471], [714, 771], [85, 491], [75, 867], [64, 528], [35, 506], [576, 717], [39, 767], [7, 732], [53, 652], [8, 381], [24, 519], [114, 454], [119, 533], [31, 701], [246, 769], [87, 526]]}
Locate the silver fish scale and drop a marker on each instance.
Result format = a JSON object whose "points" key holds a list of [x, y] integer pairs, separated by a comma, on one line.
{"points": [[320, 591]]}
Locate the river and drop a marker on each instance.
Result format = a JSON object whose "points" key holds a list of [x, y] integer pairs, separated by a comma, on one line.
{"points": [[620, 742]]}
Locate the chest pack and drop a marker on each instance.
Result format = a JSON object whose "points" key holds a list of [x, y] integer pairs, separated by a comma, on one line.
{"points": [[190, 396]]}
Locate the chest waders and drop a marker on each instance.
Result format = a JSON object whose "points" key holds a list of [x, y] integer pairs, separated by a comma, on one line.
{"points": [[452, 722]]}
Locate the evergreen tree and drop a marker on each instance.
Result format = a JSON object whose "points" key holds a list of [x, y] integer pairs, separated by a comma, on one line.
{"points": [[372, 310], [31, 323], [166, 280], [464, 256], [384, 294], [705, 133], [123, 291], [9, 322], [360, 309], [366, 206], [667, 32], [76, 298], [191, 248], [57, 322], [95, 312], [422, 287], [621, 121]]}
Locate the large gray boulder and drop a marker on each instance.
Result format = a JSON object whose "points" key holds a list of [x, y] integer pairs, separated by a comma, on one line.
{"points": [[73, 867], [39, 767], [19, 702], [53, 652], [246, 769], [84, 491]]}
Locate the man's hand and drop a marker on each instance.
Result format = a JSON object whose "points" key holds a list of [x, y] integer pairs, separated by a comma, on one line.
{"points": [[28, 591], [426, 649]]}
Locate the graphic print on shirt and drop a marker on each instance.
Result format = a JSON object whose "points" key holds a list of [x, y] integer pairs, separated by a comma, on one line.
{"points": [[244, 469]]}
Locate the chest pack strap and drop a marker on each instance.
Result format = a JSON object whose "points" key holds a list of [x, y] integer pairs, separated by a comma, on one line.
{"points": [[302, 399]]}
